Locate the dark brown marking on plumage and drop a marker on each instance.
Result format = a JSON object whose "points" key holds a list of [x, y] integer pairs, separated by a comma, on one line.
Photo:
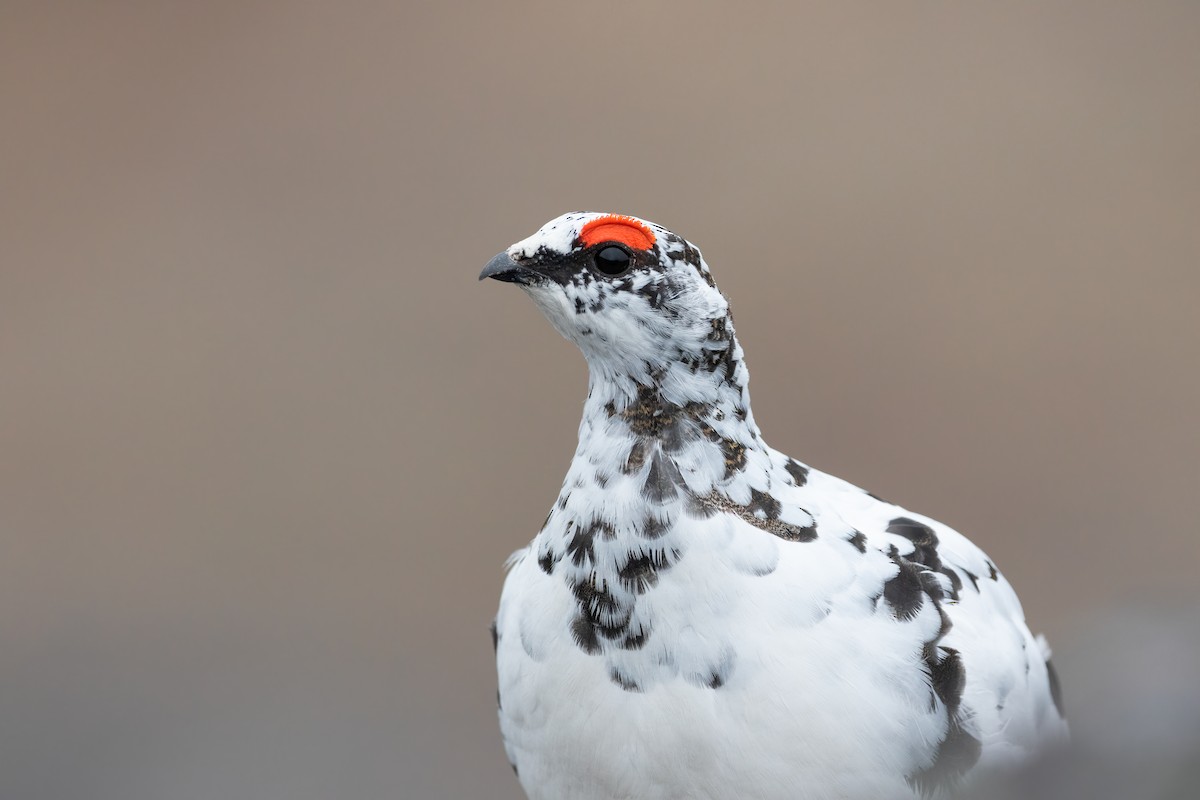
{"points": [[614, 629], [925, 553], [715, 501], [662, 480], [700, 506], [655, 292], [650, 417], [799, 472], [718, 329], [670, 240], [956, 583], [731, 364], [973, 578], [710, 359], [734, 455], [675, 437], [584, 634], [714, 676], [958, 751], [589, 626], [944, 625], [956, 754], [622, 680], [495, 637], [708, 431], [992, 573], [636, 459], [547, 561], [683, 251], [653, 528], [635, 641], [639, 573], [544, 255], [784, 530], [761, 502], [925, 541], [595, 598], [931, 585], [601, 480], [582, 547], [641, 569], [691, 256], [645, 415], [660, 293], [859, 540], [930, 651], [948, 678], [904, 592], [717, 351]]}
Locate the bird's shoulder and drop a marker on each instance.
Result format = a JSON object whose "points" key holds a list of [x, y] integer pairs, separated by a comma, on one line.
{"points": [[983, 660]]}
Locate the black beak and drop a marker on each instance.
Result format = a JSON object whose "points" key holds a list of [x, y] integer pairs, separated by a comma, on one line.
{"points": [[503, 268]]}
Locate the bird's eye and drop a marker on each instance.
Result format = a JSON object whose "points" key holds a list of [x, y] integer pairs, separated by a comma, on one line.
{"points": [[612, 260]]}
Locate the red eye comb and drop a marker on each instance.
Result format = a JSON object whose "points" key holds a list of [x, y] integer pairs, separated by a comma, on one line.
{"points": [[628, 231]]}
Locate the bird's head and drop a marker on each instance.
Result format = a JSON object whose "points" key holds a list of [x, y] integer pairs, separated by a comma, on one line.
{"points": [[636, 298]]}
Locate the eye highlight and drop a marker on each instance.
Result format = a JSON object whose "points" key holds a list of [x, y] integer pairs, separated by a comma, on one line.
{"points": [[612, 260]]}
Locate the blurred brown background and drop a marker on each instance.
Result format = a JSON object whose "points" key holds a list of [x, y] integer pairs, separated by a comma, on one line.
{"points": [[265, 442]]}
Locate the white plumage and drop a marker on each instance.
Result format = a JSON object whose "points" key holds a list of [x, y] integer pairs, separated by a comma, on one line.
{"points": [[701, 616]]}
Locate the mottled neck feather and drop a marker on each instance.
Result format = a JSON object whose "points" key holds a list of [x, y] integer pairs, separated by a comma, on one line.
{"points": [[658, 452], [692, 412]]}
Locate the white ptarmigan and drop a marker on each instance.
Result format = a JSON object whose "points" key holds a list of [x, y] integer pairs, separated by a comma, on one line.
{"points": [[704, 617]]}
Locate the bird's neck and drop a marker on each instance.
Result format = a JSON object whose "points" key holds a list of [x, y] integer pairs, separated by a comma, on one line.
{"points": [[656, 451], [670, 430]]}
